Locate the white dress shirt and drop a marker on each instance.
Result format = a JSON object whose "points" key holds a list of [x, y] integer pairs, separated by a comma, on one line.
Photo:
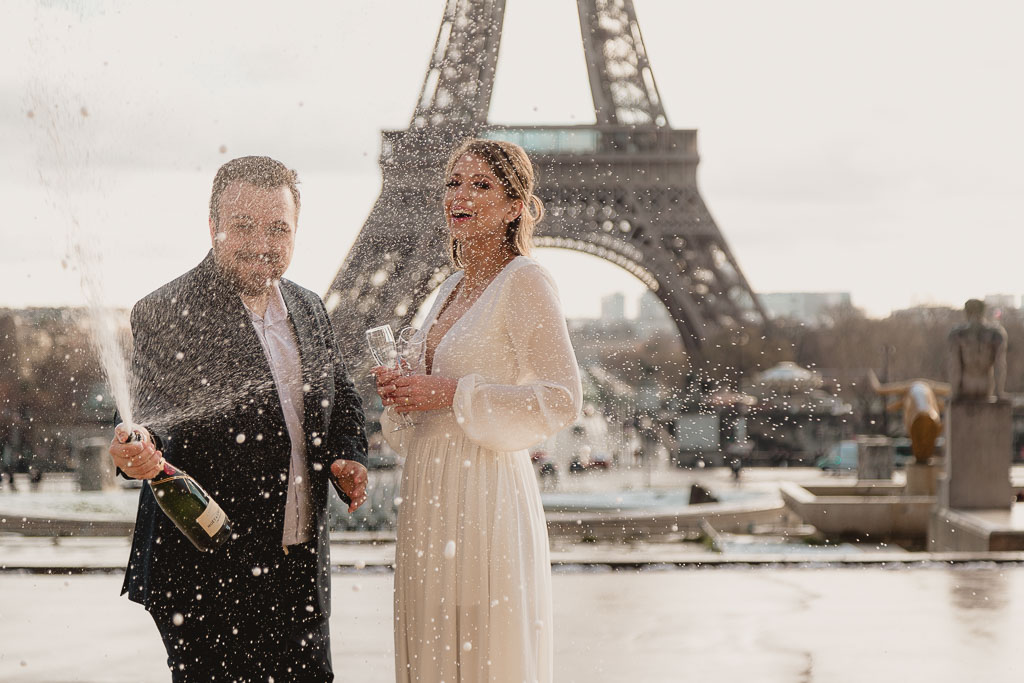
{"points": [[282, 351]]}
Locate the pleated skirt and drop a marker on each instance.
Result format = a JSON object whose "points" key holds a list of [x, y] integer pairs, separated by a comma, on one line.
{"points": [[472, 568]]}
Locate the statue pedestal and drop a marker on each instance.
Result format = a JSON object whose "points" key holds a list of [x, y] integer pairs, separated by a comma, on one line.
{"points": [[874, 457], [95, 468], [978, 453], [922, 479]]}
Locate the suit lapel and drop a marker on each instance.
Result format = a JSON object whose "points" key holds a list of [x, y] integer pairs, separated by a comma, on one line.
{"points": [[313, 414]]}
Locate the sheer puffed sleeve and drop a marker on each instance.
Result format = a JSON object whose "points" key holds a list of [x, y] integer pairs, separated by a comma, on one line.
{"points": [[547, 394]]}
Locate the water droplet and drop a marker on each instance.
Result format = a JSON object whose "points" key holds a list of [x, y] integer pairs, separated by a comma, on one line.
{"points": [[223, 149], [359, 564], [240, 438], [178, 619], [256, 571], [449, 550]]}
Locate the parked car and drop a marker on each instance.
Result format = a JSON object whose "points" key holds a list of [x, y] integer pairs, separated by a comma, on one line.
{"points": [[843, 455], [546, 468], [599, 461]]}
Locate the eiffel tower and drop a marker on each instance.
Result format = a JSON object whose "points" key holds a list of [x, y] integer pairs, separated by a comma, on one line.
{"points": [[623, 189]]}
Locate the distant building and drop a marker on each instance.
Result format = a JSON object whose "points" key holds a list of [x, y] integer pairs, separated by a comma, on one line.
{"points": [[807, 307], [653, 316], [1000, 301], [613, 307]]}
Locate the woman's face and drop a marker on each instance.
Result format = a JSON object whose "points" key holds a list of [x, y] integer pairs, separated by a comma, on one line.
{"points": [[475, 204]]}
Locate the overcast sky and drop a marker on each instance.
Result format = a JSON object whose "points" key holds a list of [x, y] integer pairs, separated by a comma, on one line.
{"points": [[873, 147]]}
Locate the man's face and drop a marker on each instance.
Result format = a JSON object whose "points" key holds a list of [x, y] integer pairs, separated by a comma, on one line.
{"points": [[254, 236]]}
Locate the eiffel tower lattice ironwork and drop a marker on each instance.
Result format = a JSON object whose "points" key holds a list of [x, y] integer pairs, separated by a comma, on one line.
{"points": [[623, 189]]}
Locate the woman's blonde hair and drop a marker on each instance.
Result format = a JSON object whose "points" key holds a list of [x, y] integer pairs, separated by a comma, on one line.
{"points": [[514, 170]]}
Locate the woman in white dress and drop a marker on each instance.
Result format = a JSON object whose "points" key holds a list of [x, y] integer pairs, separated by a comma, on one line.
{"points": [[472, 569]]}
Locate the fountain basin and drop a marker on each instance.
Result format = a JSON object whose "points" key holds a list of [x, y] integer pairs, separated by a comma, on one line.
{"points": [[625, 525], [865, 509], [998, 530]]}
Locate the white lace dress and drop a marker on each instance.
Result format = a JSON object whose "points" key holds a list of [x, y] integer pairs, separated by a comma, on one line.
{"points": [[472, 570]]}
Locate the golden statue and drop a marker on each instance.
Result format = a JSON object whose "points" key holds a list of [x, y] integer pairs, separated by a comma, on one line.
{"points": [[922, 406]]}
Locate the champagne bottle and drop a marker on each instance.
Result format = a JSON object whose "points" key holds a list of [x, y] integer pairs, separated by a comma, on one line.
{"points": [[189, 506]]}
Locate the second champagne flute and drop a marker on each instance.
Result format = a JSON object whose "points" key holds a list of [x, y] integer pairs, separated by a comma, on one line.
{"points": [[381, 340]]}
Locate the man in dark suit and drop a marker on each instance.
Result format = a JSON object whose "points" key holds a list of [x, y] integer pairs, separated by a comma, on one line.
{"points": [[239, 381]]}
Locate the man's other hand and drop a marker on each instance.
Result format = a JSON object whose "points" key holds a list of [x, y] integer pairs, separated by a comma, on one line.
{"points": [[137, 459], [351, 478]]}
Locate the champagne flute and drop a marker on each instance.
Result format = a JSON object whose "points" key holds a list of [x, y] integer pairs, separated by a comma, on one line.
{"points": [[412, 350], [382, 345], [381, 340]]}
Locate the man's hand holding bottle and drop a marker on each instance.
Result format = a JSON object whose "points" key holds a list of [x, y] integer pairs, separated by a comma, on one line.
{"points": [[137, 459]]}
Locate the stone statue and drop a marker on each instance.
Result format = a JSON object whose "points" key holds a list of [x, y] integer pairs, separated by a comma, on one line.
{"points": [[977, 356]]}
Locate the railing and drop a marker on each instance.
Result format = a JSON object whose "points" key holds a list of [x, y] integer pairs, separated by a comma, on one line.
{"points": [[553, 141], [577, 140]]}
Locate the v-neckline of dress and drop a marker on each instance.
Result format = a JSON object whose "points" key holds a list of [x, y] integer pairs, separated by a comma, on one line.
{"points": [[448, 301]]}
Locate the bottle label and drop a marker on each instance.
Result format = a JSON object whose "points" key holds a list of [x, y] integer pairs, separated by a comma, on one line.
{"points": [[212, 519]]}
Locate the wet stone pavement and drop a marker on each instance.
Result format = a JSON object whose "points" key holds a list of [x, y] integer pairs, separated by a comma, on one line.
{"points": [[933, 623]]}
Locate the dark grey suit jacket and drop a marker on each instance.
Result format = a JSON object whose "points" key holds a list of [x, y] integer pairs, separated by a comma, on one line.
{"points": [[203, 386]]}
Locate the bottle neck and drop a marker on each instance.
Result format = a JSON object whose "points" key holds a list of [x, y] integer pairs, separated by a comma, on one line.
{"points": [[167, 472]]}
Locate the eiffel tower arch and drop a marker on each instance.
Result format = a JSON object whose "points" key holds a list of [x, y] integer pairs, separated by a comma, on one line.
{"points": [[623, 189]]}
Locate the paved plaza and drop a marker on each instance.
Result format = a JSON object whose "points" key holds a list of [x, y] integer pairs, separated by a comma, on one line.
{"points": [[771, 625], [894, 616]]}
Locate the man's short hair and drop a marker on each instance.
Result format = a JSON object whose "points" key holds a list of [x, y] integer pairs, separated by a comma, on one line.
{"points": [[259, 171], [974, 307]]}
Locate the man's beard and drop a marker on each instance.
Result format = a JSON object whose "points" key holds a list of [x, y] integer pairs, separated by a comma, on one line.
{"points": [[242, 276]]}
